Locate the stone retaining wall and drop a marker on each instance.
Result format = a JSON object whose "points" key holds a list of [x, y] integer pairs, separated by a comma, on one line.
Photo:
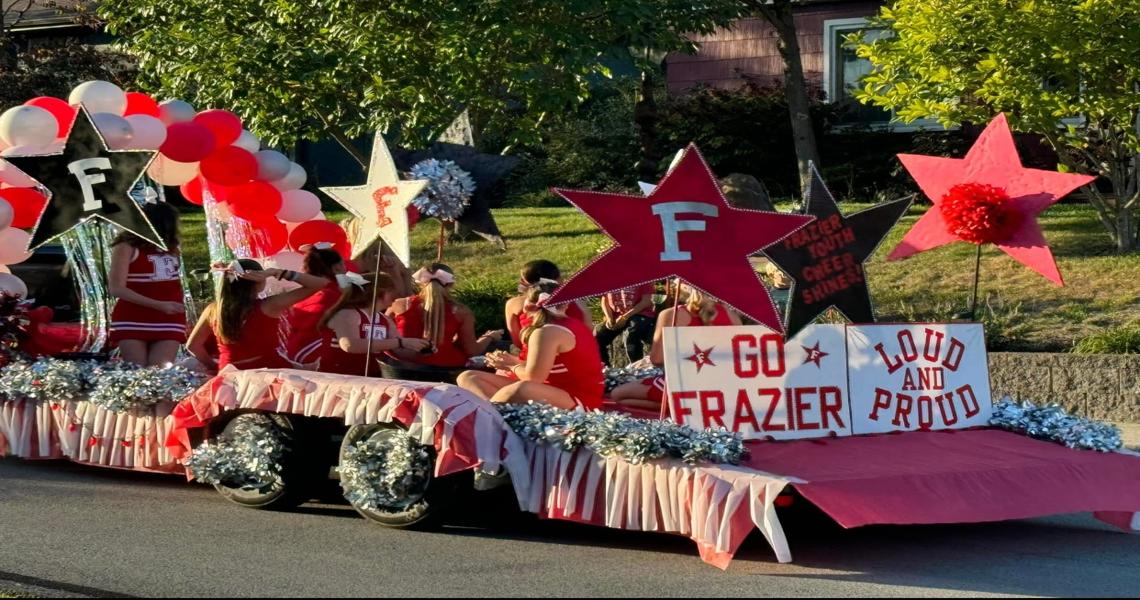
{"points": [[1104, 386]]}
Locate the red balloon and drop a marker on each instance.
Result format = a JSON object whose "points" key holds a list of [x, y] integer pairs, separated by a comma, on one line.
{"points": [[225, 125], [139, 103], [229, 166], [187, 142], [27, 204], [63, 112], [192, 191], [267, 237], [253, 201], [413, 216], [312, 232]]}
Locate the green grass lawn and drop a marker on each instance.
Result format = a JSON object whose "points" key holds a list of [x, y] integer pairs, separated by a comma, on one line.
{"points": [[1022, 309]]}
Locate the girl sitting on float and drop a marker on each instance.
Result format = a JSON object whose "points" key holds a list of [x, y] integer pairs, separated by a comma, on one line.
{"points": [[389, 263], [563, 366], [435, 316], [532, 273], [306, 342], [699, 310], [148, 322], [351, 325], [247, 328]]}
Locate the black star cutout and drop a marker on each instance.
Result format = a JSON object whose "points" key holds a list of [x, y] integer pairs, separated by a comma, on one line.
{"points": [[826, 257], [88, 180]]}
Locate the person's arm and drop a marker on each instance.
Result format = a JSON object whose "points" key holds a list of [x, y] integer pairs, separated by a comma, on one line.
{"points": [[399, 306], [544, 347], [609, 315], [121, 257], [466, 335], [511, 316], [643, 303], [346, 329], [275, 306], [201, 335], [665, 319]]}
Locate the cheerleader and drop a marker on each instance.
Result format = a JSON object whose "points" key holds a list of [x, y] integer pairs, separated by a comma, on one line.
{"points": [[305, 344], [389, 263], [248, 328], [563, 367], [699, 311], [532, 273], [435, 316], [350, 326], [148, 323]]}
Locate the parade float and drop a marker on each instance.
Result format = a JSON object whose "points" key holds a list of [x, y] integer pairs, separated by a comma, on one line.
{"points": [[873, 423]]}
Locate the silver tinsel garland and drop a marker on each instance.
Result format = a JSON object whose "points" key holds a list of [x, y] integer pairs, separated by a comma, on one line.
{"points": [[615, 434], [382, 471], [122, 387], [247, 456], [448, 192], [1055, 424], [46, 379], [616, 376]]}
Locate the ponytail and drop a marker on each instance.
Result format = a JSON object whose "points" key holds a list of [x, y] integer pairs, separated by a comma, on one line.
{"points": [[436, 298], [322, 262], [358, 297], [236, 298], [540, 314], [704, 308]]}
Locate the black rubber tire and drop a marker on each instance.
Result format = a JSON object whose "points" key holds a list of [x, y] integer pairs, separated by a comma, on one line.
{"points": [[421, 511], [287, 491]]}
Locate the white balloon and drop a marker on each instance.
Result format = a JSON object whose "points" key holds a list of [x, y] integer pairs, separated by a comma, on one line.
{"points": [[116, 130], [271, 165], [13, 285], [14, 246], [28, 126], [298, 206], [285, 259], [176, 111], [6, 214], [99, 97], [150, 132], [169, 172], [292, 180], [248, 141]]}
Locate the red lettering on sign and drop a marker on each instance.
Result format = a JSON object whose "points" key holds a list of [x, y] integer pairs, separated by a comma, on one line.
{"points": [[892, 366], [882, 401], [971, 406], [954, 354], [947, 401], [744, 414], [906, 344], [679, 410], [927, 353], [803, 406], [772, 345], [773, 402], [709, 413], [902, 411], [925, 412], [831, 404], [744, 369]]}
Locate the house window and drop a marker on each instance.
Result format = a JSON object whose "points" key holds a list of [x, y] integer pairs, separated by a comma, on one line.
{"points": [[842, 70]]}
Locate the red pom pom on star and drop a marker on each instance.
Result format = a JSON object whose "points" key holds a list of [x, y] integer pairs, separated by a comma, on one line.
{"points": [[979, 213]]}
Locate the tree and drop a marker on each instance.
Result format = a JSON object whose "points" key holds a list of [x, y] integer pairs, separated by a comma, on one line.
{"points": [[778, 13], [339, 68], [1063, 69], [51, 66]]}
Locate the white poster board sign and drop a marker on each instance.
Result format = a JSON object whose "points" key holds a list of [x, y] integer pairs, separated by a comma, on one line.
{"points": [[917, 376], [750, 380]]}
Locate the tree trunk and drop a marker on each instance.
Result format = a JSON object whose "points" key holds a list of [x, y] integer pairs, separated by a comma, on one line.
{"points": [[779, 14], [645, 116]]}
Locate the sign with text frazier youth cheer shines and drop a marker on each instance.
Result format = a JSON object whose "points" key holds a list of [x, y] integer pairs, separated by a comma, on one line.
{"points": [[917, 376], [753, 381]]}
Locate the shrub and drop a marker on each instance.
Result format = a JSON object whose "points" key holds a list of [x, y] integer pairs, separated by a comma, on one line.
{"points": [[1115, 340]]}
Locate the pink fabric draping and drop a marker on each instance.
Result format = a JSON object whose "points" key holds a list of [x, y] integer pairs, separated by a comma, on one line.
{"points": [[966, 476]]}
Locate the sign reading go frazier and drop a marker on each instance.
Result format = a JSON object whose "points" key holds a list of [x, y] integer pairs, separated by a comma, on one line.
{"points": [[830, 380]]}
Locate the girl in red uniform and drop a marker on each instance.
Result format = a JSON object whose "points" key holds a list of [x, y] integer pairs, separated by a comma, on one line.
{"points": [[699, 311], [532, 273], [248, 328], [306, 342], [563, 367], [148, 322], [350, 326], [435, 316]]}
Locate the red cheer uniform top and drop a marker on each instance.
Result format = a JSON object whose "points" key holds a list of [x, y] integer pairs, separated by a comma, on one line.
{"points": [[155, 274], [305, 343], [260, 347], [573, 310], [339, 361], [579, 371], [448, 353]]}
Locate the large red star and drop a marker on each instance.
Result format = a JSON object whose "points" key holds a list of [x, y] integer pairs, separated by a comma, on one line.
{"points": [[992, 161], [684, 228]]}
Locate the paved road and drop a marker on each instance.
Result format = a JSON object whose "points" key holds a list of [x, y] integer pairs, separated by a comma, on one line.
{"points": [[81, 530]]}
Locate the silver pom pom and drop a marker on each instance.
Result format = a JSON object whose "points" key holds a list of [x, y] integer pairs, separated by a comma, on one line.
{"points": [[1055, 424], [247, 456], [381, 472], [448, 191]]}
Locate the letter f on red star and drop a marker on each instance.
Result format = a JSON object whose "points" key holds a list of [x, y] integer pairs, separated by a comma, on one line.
{"points": [[684, 228], [701, 357]]}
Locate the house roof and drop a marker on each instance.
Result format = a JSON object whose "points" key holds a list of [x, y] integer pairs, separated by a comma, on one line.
{"points": [[38, 14]]}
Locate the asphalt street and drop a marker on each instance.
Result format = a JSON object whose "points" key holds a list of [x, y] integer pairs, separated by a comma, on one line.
{"points": [[70, 530]]}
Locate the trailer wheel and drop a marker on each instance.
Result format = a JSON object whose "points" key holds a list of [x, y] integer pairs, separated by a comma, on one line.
{"points": [[421, 505], [288, 490]]}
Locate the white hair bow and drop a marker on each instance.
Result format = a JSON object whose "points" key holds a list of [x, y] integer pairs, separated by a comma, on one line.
{"points": [[424, 276], [231, 270], [346, 279]]}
